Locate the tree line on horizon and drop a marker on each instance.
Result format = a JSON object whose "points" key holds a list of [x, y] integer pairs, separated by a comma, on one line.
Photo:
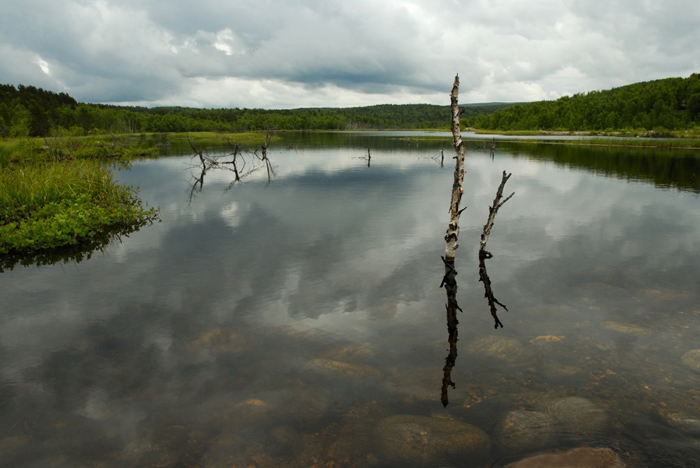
{"points": [[667, 104], [31, 111]]}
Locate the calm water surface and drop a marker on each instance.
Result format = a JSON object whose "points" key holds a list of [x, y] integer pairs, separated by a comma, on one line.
{"points": [[300, 322]]}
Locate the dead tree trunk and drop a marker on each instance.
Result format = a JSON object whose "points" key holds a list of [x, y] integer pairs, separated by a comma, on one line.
{"points": [[449, 280], [263, 158], [234, 162], [457, 189], [368, 157], [485, 255]]}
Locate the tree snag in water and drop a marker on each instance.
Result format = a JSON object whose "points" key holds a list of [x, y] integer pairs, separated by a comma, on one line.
{"points": [[457, 190], [485, 255], [368, 157], [449, 281]]}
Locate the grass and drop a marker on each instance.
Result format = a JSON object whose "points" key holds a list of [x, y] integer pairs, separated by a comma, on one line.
{"points": [[57, 193]]}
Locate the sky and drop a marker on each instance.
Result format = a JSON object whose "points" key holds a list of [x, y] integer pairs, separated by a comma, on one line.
{"points": [[278, 54]]}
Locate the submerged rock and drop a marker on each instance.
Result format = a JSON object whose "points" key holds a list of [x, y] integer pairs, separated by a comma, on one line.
{"points": [[345, 368], [499, 347], [557, 372], [422, 440], [692, 359], [682, 421], [219, 340], [526, 430], [352, 352], [578, 416], [414, 385], [583, 457], [625, 328]]}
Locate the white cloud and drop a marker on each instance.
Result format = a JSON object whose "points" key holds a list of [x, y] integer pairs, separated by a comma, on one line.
{"points": [[333, 53], [43, 65]]}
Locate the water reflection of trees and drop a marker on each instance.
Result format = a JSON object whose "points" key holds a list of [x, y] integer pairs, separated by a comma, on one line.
{"points": [[662, 167], [70, 253]]}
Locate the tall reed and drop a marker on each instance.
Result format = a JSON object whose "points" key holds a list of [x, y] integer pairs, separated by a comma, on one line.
{"points": [[25, 189]]}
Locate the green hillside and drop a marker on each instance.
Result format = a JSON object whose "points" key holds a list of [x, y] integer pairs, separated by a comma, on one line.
{"points": [[667, 104], [30, 111]]}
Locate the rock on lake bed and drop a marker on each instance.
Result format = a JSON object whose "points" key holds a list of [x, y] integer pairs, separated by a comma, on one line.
{"points": [[423, 440]]}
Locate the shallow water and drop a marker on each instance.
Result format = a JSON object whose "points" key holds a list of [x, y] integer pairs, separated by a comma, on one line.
{"points": [[297, 322]]}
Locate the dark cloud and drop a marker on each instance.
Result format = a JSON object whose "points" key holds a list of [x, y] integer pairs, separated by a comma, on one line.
{"points": [[309, 52]]}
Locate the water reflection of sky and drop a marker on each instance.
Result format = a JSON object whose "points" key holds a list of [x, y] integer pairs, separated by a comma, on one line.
{"points": [[332, 252]]}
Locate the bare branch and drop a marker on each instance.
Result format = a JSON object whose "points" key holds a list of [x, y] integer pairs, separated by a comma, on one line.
{"points": [[485, 255], [493, 210]]}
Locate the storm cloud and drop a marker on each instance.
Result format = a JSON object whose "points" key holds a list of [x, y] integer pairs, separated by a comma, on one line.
{"points": [[307, 53]]}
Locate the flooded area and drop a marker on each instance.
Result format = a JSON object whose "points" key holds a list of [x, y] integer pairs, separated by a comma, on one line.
{"points": [[296, 318]]}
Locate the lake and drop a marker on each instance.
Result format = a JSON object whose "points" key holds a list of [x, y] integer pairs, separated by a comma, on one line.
{"points": [[296, 318]]}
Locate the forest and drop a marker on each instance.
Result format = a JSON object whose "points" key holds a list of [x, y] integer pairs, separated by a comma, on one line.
{"points": [[660, 105], [671, 104], [30, 111]]}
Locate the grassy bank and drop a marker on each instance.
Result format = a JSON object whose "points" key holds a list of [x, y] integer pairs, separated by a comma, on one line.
{"points": [[58, 198], [686, 142], [641, 138], [56, 193]]}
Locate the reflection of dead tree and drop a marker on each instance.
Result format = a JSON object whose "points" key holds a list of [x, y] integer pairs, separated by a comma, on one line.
{"points": [[237, 164], [449, 281], [485, 255], [205, 162], [263, 156], [198, 183], [368, 158], [442, 157], [439, 158], [234, 161]]}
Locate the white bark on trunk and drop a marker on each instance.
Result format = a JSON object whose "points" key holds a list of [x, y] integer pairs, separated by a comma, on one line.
{"points": [[457, 189]]}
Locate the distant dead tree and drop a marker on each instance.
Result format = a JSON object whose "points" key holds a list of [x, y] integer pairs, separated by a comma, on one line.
{"points": [[205, 164], [263, 156], [234, 160], [367, 157], [237, 164]]}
